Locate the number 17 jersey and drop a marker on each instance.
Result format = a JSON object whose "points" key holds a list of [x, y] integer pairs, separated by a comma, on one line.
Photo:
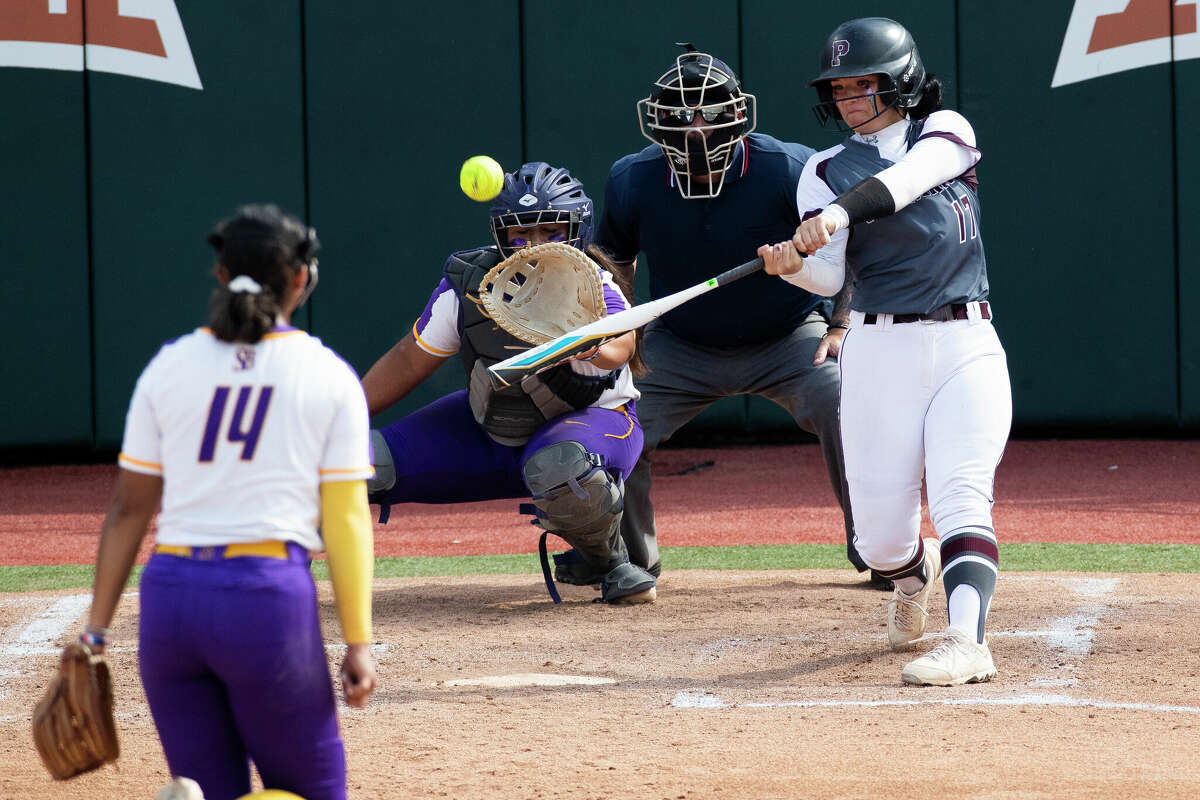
{"points": [[244, 434]]}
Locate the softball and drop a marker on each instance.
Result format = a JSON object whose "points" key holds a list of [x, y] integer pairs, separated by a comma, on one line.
{"points": [[481, 178]]}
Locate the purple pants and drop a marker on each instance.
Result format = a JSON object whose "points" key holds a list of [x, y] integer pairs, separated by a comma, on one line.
{"points": [[442, 455], [233, 664]]}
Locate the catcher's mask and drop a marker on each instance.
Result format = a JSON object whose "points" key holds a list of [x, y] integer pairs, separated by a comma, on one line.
{"points": [[870, 46], [267, 244], [697, 113], [539, 194]]}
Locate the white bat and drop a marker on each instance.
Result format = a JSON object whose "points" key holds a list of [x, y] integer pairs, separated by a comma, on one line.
{"points": [[546, 355]]}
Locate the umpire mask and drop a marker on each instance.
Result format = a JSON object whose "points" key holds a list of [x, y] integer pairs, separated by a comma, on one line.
{"points": [[698, 114]]}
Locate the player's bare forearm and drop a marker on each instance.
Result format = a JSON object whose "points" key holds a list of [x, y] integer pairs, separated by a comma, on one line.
{"points": [[396, 373], [841, 308], [615, 354], [135, 501]]}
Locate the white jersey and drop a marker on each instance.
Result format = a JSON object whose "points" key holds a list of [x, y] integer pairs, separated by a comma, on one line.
{"points": [[243, 435]]}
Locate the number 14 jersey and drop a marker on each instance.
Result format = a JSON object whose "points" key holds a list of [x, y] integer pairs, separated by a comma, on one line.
{"points": [[244, 434]]}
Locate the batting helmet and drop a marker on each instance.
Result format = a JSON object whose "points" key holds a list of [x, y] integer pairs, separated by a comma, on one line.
{"points": [[539, 194], [870, 46], [698, 153]]}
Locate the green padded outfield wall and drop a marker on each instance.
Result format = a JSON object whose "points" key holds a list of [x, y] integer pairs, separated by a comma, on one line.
{"points": [[1187, 176], [1085, 309], [393, 110], [168, 161], [357, 116], [45, 328]]}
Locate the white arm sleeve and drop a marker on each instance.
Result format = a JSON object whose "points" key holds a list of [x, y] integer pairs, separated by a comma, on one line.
{"points": [[945, 150], [824, 272]]}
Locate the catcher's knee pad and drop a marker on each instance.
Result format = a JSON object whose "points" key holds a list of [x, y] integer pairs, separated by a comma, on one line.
{"points": [[385, 468], [575, 496]]}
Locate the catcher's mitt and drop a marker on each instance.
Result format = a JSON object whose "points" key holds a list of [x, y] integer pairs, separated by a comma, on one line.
{"points": [[73, 725], [541, 292]]}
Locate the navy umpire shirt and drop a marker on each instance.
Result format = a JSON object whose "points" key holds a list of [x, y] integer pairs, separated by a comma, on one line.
{"points": [[688, 241]]}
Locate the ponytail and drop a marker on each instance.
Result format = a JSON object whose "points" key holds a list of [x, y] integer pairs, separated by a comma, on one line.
{"points": [[931, 99], [242, 311]]}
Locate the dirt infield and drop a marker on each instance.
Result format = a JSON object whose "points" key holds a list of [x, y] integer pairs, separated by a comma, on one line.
{"points": [[733, 685]]}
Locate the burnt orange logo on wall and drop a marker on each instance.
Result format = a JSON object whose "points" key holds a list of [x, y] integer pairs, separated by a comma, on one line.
{"points": [[139, 38], [1107, 36]]}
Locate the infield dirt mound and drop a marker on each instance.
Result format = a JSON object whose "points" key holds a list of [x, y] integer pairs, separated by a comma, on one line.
{"points": [[732, 685]]}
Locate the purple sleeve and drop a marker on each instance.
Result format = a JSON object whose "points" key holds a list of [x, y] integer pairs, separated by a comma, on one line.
{"points": [[423, 320], [614, 301]]}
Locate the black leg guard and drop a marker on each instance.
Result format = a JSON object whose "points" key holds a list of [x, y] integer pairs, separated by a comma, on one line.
{"points": [[579, 501]]}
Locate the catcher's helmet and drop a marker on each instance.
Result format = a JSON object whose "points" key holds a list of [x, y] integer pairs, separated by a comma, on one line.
{"points": [[870, 46], [539, 194], [697, 85]]}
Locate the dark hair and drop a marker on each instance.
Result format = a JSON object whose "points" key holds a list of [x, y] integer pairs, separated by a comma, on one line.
{"points": [[931, 98], [623, 277], [267, 245]]}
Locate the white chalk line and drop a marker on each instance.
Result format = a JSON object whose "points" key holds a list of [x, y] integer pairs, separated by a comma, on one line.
{"points": [[700, 699], [22, 641]]}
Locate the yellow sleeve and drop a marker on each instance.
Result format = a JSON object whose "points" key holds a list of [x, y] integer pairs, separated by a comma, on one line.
{"points": [[350, 550]]}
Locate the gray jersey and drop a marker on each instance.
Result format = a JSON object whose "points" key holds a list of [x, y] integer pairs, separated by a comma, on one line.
{"points": [[926, 255]]}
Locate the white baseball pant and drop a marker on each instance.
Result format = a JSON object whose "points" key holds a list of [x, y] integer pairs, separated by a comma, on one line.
{"points": [[920, 399]]}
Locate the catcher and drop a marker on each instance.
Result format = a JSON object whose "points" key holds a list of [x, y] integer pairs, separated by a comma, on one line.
{"points": [[568, 436]]}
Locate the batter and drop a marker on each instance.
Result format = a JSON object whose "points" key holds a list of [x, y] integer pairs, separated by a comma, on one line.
{"points": [[925, 388]]}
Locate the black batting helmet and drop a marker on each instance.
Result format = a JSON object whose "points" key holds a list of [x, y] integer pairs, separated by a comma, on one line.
{"points": [[870, 46]]}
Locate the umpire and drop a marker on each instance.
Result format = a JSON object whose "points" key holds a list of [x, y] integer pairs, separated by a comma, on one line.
{"points": [[699, 200]]}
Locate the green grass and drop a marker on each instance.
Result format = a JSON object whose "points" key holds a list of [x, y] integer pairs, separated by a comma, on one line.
{"points": [[1035, 557]]}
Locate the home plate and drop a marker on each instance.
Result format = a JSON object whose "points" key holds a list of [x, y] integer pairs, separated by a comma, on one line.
{"points": [[529, 679]]}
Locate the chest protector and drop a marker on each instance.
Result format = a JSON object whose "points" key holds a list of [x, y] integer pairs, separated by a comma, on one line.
{"points": [[510, 415]]}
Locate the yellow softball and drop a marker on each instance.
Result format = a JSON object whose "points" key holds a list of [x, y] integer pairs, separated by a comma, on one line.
{"points": [[271, 794], [481, 178]]}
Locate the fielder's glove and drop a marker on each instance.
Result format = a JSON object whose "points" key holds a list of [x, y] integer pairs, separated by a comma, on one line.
{"points": [[541, 292], [73, 725]]}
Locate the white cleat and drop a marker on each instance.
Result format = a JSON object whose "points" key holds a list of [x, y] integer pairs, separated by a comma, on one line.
{"points": [[957, 660], [907, 613]]}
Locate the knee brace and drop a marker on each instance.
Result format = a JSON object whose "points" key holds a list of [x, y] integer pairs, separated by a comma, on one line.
{"points": [[577, 499]]}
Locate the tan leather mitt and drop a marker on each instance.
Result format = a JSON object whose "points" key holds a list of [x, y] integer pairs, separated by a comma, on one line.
{"points": [[541, 292], [73, 725]]}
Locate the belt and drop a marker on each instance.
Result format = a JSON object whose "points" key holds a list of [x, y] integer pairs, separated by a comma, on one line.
{"points": [[287, 551], [946, 313]]}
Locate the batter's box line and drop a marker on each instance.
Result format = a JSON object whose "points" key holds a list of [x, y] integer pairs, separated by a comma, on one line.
{"points": [[702, 700]]}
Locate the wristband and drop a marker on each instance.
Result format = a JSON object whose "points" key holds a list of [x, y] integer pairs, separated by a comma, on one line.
{"points": [[94, 636], [838, 325]]}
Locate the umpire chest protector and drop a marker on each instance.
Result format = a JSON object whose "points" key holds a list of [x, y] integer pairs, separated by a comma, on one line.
{"points": [[510, 415]]}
